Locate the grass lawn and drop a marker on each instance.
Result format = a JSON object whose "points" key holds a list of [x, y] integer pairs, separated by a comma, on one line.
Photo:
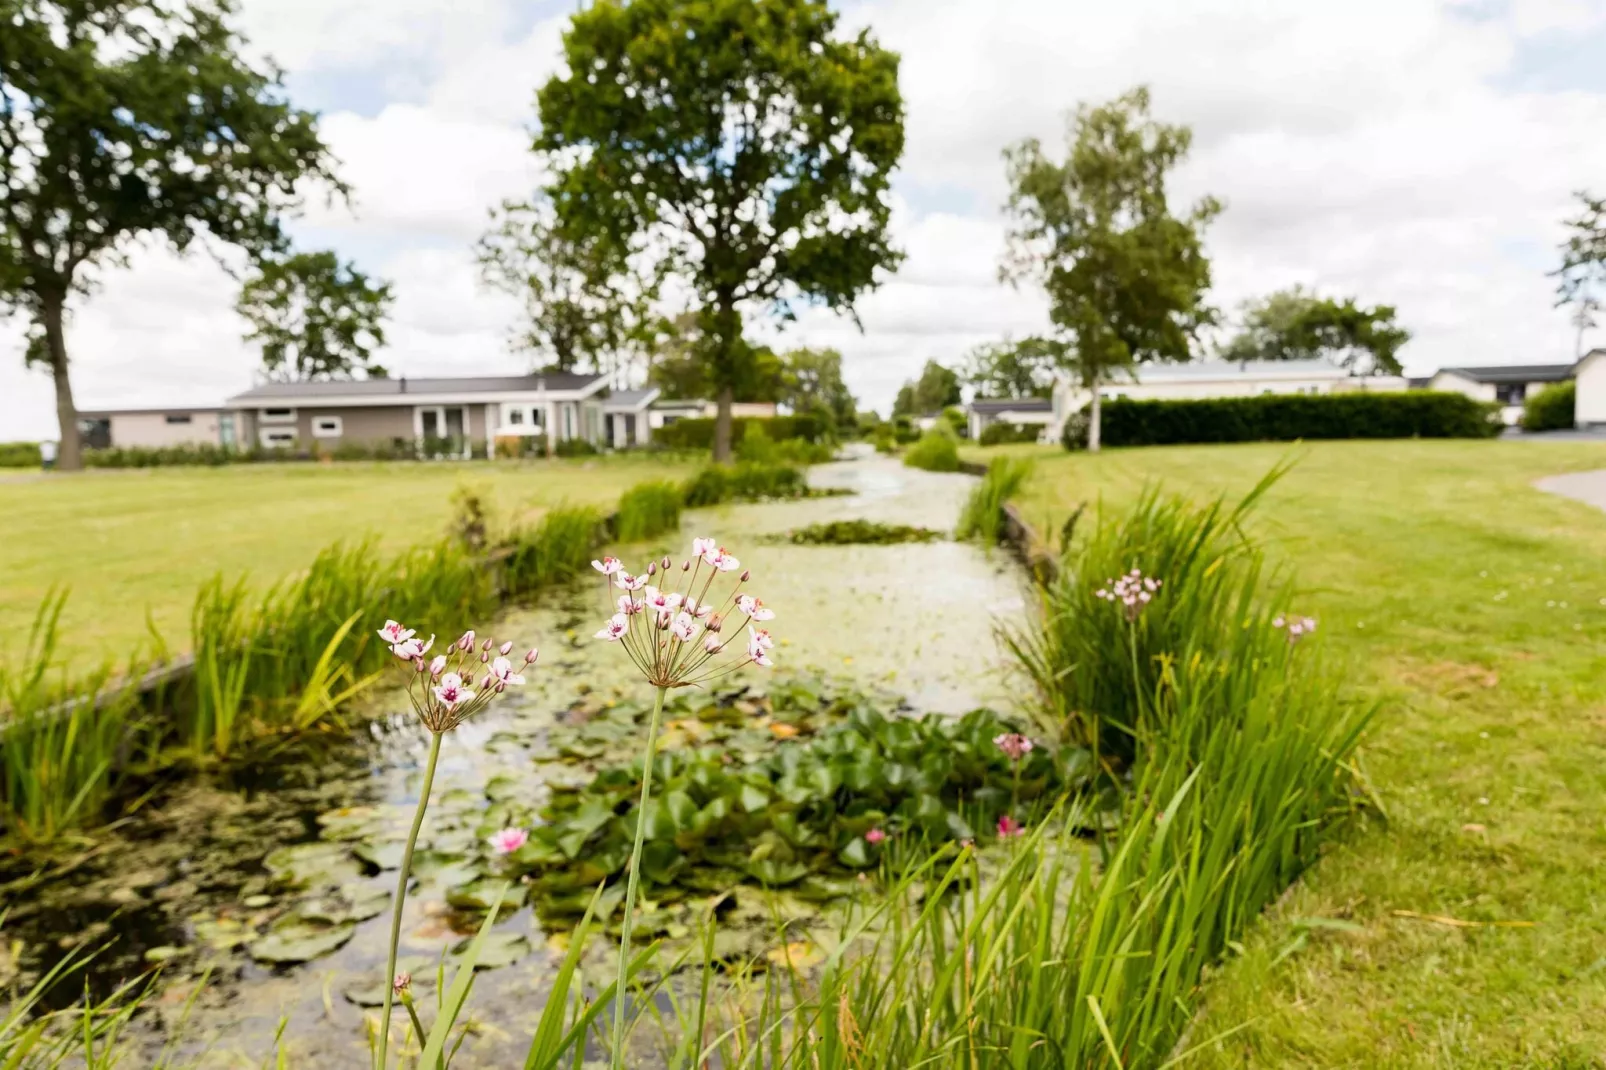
{"points": [[127, 540], [1472, 606]]}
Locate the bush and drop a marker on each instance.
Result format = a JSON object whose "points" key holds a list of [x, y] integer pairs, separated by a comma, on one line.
{"points": [[999, 433], [20, 455], [983, 515], [1285, 417], [935, 452], [954, 418], [746, 481], [648, 509], [1551, 409], [575, 447], [514, 447], [697, 433]]}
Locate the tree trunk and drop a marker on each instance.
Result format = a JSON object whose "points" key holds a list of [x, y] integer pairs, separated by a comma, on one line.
{"points": [[69, 451], [728, 337], [1093, 421], [722, 427]]}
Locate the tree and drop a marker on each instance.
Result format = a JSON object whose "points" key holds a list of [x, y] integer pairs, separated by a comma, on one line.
{"points": [[935, 390], [122, 119], [315, 317], [1008, 369], [1295, 324], [739, 144], [583, 309], [812, 382], [681, 370], [1582, 275], [1125, 278]]}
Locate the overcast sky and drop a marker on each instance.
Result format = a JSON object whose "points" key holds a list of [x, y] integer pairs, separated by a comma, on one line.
{"points": [[1415, 153]]}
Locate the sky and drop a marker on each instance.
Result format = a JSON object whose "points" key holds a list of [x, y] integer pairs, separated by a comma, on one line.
{"points": [[1415, 153]]}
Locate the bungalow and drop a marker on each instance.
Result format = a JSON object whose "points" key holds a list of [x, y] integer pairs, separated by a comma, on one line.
{"points": [[983, 412], [1508, 384], [158, 428], [669, 410]]}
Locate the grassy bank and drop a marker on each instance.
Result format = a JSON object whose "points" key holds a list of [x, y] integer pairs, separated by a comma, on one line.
{"points": [[124, 541], [1470, 604]]}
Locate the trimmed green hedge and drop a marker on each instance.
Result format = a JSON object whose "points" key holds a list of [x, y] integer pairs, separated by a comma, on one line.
{"points": [[1552, 409], [1285, 417], [19, 455], [697, 433], [999, 433]]}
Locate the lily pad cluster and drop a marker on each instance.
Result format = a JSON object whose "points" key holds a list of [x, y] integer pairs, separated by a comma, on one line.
{"points": [[801, 813], [847, 532]]}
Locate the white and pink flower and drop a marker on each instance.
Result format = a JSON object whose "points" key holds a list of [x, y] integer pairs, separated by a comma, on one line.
{"points": [[608, 565], [1008, 826], [412, 649], [1132, 591], [758, 645], [661, 601], [503, 672], [704, 548], [394, 633], [437, 666], [627, 582], [754, 607], [684, 627], [451, 691], [506, 841], [874, 836], [616, 628], [1013, 744]]}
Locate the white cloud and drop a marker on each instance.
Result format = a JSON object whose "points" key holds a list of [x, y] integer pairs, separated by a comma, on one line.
{"points": [[1366, 148]]}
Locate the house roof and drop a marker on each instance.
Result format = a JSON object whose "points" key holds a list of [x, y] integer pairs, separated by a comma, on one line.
{"points": [[994, 406], [630, 400], [371, 391], [1315, 368], [1515, 373], [151, 410]]}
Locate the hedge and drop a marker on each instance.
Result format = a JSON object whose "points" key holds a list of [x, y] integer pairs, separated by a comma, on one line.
{"points": [[999, 433], [697, 433], [19, 455], [1551, 409], [1285, 417]]}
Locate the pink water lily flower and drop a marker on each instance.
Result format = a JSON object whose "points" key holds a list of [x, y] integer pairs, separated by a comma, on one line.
{"points": [[874, 836], [508, 840], [1008, 826], [394, 633], [754, 608], [608, 565], [615, 629], [412, 649], [451, 691], [502, 671]]}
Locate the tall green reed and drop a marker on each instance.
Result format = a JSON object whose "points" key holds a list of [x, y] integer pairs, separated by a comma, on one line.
{"points": [[558, 547], [983, 515], [648, 509]]}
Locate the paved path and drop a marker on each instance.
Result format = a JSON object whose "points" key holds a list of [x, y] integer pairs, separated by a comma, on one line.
{"points": [[1586, 487]]}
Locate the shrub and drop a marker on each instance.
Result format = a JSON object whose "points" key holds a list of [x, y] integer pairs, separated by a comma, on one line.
{"points": [[515, 447], [20, 455], [697, 433], [648, 509], [983, 515], [557, 547], [999, 433], [869, 532], [955, 420], [1551, 409], [745, 481], [574, 447], [935, 452], [1285, 417]]}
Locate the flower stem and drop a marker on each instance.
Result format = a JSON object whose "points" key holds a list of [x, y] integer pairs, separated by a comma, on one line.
{"points": [[616, 1060], [401, 895]]}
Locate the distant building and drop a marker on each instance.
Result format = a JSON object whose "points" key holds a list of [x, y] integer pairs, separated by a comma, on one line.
{"points": [[667, 411], [1510, 385], [983, 412], [157, 428]]}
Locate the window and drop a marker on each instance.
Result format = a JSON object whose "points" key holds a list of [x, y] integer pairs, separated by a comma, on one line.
{"points": [[278, 416], [1511, 393], [278, 440], [178, 419], [225, 429], [326, 426], [515, 417]]}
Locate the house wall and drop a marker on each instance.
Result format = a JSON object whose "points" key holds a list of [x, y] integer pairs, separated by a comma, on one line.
{"points": [[1460, 384], [367, 426], [1590, 408], [150, 430]]}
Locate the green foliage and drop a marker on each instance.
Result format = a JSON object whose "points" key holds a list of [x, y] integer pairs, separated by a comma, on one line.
{"points": [[314, 317], [790, 814], [746, 481], [680, 366], [648, 509], [1297, 325], [558, 547], [20, 455], [935, 389], [574, 447], [104, 132], [1009, 369], [697, 433], [849, 532], [203, 454], [799, 190], [812, 383], [1551, 409], [1581, 278], [1286, 417], [983, 515], [1126, 279], [1000, 433], [934, 452], [755, 445]]}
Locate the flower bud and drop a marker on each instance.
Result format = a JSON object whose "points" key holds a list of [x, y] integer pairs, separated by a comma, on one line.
{"points": [[488, 644], [402, 983], [714, 624], [467, 640], [418, 663], [529, 659], [746, 574], [667, 562], [652, 566], [485, 657], [685, 566], [506, 648], [501, 686], [487, 681]]}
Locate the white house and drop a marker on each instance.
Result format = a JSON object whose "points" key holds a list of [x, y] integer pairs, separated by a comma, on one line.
{"points": [[983, 412], [1508, 384], [1215, 379], [1590, 405]]}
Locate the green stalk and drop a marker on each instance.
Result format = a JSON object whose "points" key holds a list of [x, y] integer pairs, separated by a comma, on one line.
{"points": [[616, 1059], [401, 895]]}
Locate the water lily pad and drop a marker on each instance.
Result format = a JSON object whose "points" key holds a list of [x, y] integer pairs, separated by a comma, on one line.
{"points": [[500, 949], [479, 895], [443, 870], [351, 822], [369, 989], [223, 934], [256, 902], [295, 940], [164, 954], [354, 902], [313, 865], [383, 855]]}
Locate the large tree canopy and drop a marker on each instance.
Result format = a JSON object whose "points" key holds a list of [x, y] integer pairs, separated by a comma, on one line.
{"points": [[314, 317], [811, 381], [680, 369], [1581, 279], [1011, 369], [741, 144], [126, 118], [1295, 324], [936, 389], [1125, 277]]}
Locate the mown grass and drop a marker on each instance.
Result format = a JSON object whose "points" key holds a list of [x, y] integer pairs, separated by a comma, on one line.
{"points": [[1470, 605], [124, 541]]}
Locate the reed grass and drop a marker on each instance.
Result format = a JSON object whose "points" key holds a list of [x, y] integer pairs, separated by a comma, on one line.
{"points": [[745, 481], [983, 515], [559, 546], [934, 451], [649, 509]]}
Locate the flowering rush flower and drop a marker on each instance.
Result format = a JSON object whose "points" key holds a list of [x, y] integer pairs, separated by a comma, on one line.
{"points": [[402, 983], [1013, 744], [451, 687], [1008, 826], [672, 629], [1132, 591], [507, 841], [1296, 626], [874, 836]]}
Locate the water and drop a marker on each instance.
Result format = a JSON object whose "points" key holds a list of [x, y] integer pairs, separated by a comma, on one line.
{"points": [[184, 880]]}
